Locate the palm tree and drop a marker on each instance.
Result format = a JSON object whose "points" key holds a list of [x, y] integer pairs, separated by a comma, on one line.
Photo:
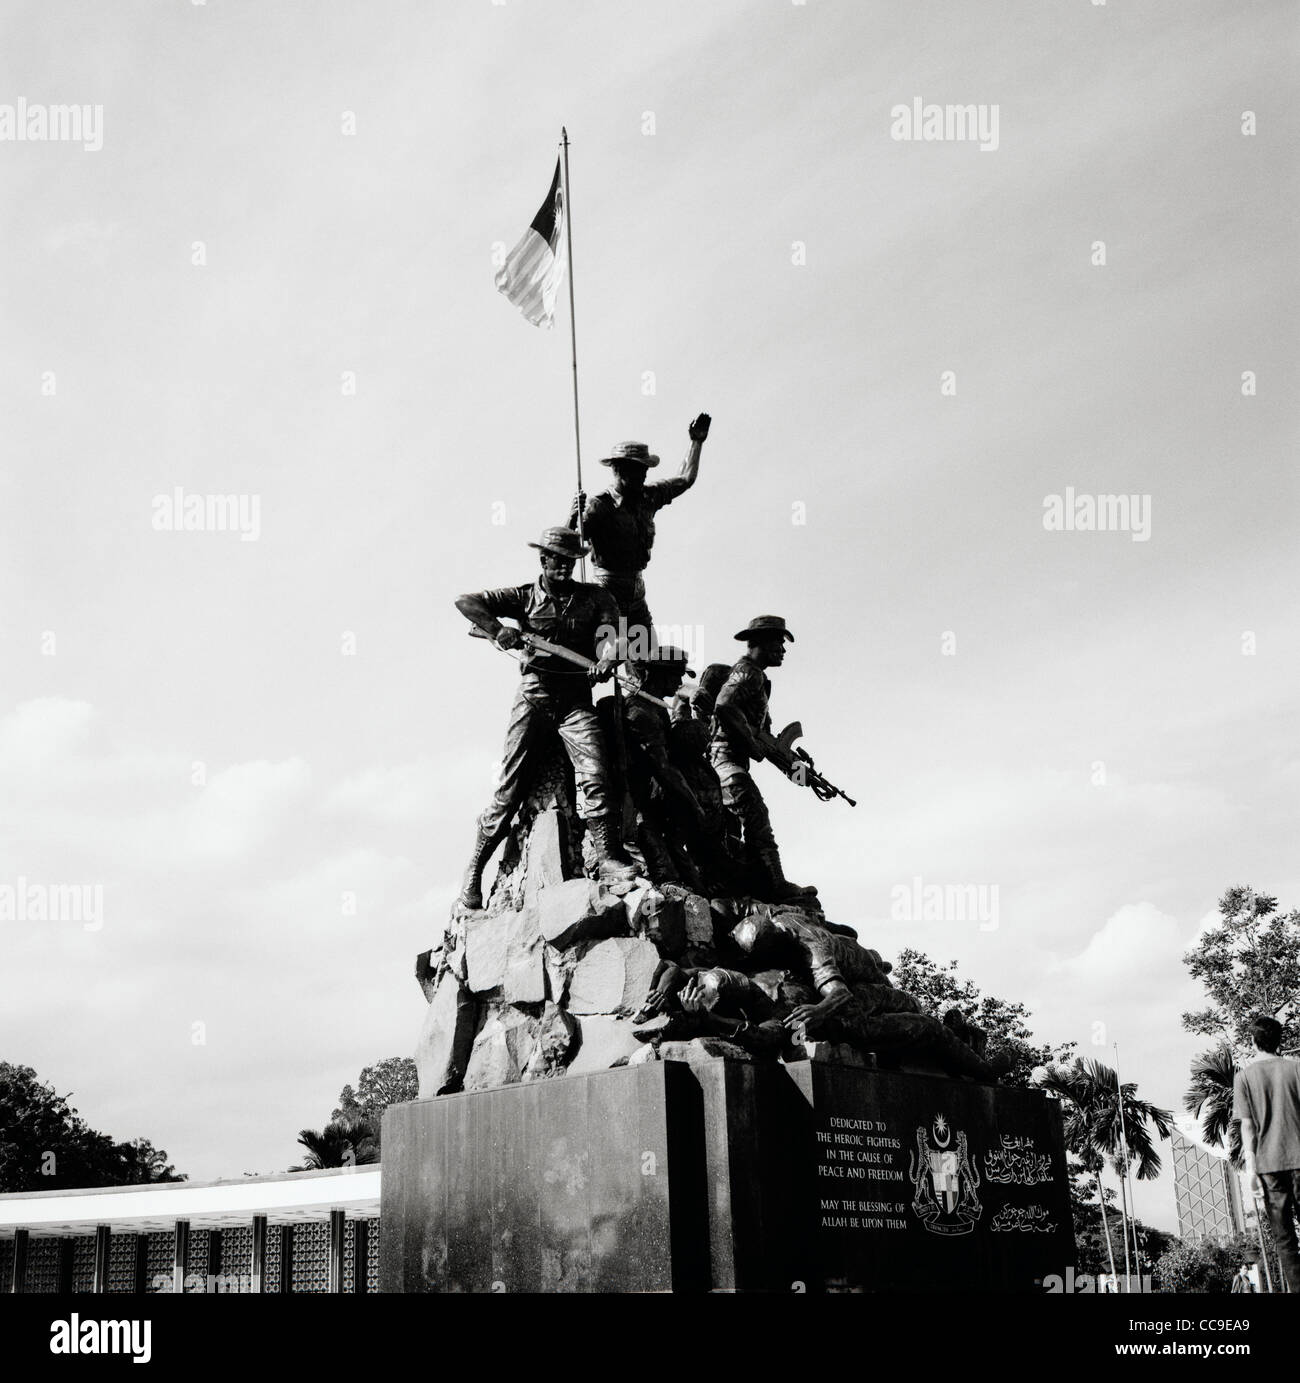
{"points": [[1092, 1167], [1109, 1121], [341, 1143], [1209, 1100]]}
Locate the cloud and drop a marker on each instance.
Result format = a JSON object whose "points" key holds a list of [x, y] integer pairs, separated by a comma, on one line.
{"points": [[226, 904], [1135, 943], [75, 785], [1209, 921], [36, 733], [409, 794], [93, 236], [244, 807]]}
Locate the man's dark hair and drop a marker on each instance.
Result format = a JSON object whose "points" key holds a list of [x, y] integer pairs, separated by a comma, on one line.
{"points": [[1266, 1033]]}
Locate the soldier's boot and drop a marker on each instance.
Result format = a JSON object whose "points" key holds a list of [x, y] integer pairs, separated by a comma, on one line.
{"points": [[608, 855], [659, 863], [471, 888], [688, 872], [779, 889]]}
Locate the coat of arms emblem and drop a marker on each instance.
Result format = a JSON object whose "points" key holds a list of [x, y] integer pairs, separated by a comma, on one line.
{"points": [[944, 1181]]}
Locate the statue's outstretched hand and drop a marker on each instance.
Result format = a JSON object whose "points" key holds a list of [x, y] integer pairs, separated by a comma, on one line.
{"points": [[803, 1014], [668, 979], [699, 428], [797, 1017], [699, 994]]}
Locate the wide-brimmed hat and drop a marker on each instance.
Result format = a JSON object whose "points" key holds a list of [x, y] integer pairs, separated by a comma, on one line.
{"points": [[561, 542], [674, 657], [664, 655], [637, 453], [764, 624]]}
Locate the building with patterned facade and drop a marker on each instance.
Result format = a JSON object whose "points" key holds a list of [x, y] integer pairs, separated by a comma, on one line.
{"points": [[1208, 1193], [292, 1232]]}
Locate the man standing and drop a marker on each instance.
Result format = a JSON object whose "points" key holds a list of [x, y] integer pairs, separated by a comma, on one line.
{"points": [[554, 698], [620, 525], [740, 714], [1266, 1098]]}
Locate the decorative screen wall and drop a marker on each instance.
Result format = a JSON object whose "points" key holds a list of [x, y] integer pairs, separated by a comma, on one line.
{"points": [[271, 1271], [121, 1263], [197, 1263], [311, 1243], [235, 1271], [43, 1265], [350, 1256], [218, 1261], [158, 1262], [83, 1263], [372, 1264]]}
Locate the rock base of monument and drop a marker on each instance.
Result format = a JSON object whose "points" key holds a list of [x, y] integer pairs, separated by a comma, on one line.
{"points": [[722, 1175]]}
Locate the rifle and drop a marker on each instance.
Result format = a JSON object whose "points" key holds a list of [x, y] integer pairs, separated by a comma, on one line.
{"points": [[629, 685], [797, 764]]}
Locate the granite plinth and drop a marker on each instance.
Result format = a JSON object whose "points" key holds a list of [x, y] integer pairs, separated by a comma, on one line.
{"points": [[835, 1178], [586, 1183], [726, 1175]]}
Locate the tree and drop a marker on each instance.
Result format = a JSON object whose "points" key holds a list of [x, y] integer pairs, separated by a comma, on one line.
{"points": [[146, 1164], [1203, 1266], [1093, 1240], [1155, 1243], [1249, 963], [341, 1143], [391, 1081], [1106, 1122], [1209, 1099], [45, 1145], [938, 988]]}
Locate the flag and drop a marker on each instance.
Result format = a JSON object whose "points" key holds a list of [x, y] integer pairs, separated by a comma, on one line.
{"points": [[531, 276]]}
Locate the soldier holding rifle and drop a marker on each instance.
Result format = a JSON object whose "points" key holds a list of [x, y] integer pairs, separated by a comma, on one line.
{"points": [[742, 731], [554, 698]]}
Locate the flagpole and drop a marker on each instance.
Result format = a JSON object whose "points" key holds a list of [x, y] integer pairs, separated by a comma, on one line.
{"points": [[573, 334], [1123, 1180]]}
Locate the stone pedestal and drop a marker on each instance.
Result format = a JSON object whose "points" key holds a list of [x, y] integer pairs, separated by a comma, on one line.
{"points": [[588, 1183], [730, 1176], [826, 1177]]}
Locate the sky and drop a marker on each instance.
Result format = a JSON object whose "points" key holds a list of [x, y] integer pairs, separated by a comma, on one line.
{"points": [[274, 279]]}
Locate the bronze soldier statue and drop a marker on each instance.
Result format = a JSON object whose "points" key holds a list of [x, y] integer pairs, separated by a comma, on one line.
{"points": [[681, 821], [717, 851], [619, 524], [667, 808], [553, 699], [698, 702], [741, 718], [815, 985]]}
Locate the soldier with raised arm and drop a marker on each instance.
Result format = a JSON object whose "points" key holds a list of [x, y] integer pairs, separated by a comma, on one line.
{"points": [[553, 699], [619, 524], [740, 715]]}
